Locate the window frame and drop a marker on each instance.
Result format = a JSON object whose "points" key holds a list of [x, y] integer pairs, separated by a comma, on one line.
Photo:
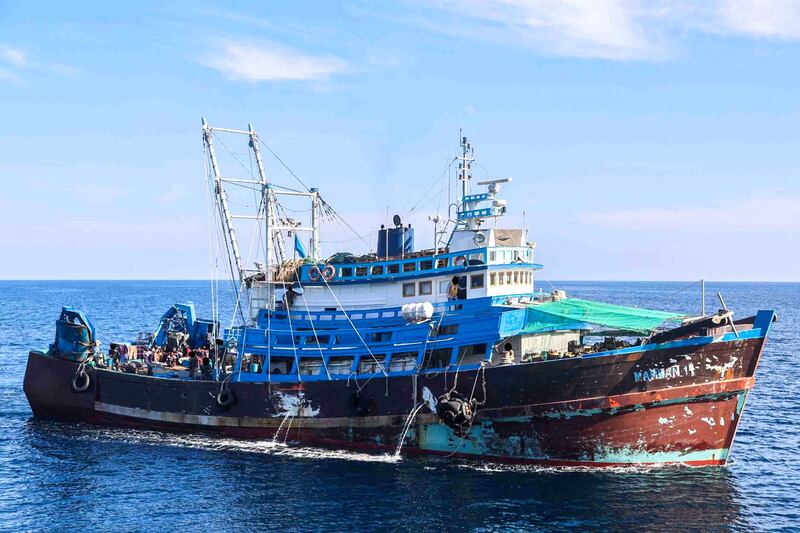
{"points": [[425, 283], [412, 286]]}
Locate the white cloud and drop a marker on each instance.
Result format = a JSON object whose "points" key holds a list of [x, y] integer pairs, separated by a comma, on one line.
{"points": [[742, 214], [602, 28], [761, 18], [608, 29], [14, 56], [271, 62], [14, 62]]}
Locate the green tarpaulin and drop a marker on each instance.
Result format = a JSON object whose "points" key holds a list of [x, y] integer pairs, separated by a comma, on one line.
{"points": [[574, 313]]}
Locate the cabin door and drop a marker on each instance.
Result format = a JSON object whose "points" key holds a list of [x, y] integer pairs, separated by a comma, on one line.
{"points": [[462, 287]]}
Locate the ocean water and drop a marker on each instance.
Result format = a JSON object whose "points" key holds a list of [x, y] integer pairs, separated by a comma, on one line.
{"points": [[71, 477]]}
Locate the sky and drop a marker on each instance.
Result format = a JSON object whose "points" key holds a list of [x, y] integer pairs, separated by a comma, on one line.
{"points": [[646, 140]]}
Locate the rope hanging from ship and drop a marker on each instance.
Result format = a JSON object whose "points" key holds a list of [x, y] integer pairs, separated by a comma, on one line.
{"points": [[458, 412]]}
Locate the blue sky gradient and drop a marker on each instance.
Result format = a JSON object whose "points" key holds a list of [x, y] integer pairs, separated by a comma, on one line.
{"points": [[646, 140]]}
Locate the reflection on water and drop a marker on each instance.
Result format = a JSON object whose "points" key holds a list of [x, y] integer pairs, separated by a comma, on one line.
{"points": [[241, 484]]}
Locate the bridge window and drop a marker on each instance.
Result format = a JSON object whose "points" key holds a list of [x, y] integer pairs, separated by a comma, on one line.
{"points": [[438, 358], [403, 361], [476, 281], [492, 256], [508, 278], [409, 267], [500, 277], [408, 290], [346, 272], [426, 265], [516, 277], [476, 259], [443, 262], [443, 286], [377, 270], [340, 365], [425, 288], [371, 364], [492, 279]]}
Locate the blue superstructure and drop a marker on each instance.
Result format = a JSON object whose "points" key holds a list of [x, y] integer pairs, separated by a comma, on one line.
{"points": [[322, 345]]}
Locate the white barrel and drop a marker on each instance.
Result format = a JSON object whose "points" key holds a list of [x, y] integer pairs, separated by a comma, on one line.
{"points": [[417, 312]]}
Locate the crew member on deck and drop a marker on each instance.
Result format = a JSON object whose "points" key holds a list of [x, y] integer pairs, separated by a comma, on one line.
{"points": [[193, 364], [452, 291], [113, 356], [205, 368], [508, 354]]}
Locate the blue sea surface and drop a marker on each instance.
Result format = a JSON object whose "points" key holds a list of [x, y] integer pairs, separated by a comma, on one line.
{"points": [[56, 476]]}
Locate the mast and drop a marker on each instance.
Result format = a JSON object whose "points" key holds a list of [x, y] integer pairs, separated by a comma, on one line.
{"points": [[465, 167], [225, 214], [473, 209], [316, 251], [269, 207]]}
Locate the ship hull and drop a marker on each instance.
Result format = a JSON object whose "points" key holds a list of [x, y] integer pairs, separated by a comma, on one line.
{"points": [[680, 404]]}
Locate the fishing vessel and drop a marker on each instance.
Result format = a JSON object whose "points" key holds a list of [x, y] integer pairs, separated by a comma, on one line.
{"points": [[449, 350]]}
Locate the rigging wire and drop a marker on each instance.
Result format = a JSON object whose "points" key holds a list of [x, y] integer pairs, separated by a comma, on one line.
{"points": [[355, 329], [435, 182], [284, 165]]}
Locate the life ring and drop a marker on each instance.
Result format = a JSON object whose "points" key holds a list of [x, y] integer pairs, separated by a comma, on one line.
{"points": [[225, 398], [314, 274], [80, 381], [460, 260], [328, 273]]}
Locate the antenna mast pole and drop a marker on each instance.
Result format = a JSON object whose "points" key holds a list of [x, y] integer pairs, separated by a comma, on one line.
{"points": [[316, 251], [465, 167], [222, 198]]}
